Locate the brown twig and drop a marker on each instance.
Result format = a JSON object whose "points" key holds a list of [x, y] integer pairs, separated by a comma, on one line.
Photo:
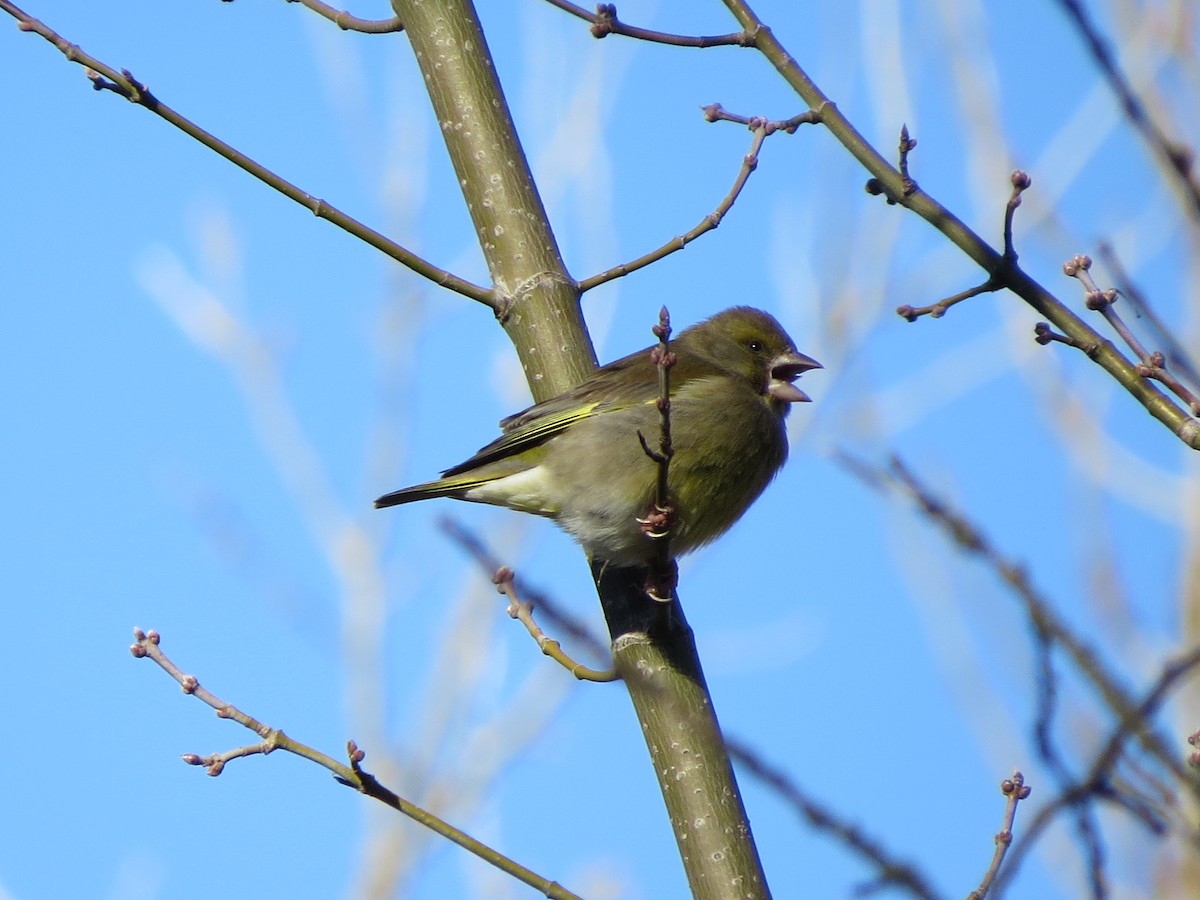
{"points": [[147, 646], [549, 609], [347, 22], [1177, 356], [522, 611], [1044, 334], [1016, 790], [715, 112], [937, 310], [892, 872], [1037, 608], [889, 181], [1178, 158], [122, 83], [605, 22], [907, 145], [1150, 364], [656, 524], [1020, 183], [761, 128], [908, 186], [1096, 784]]}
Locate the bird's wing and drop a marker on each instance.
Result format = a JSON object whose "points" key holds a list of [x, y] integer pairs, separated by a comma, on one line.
{"points": [[618, 385]]}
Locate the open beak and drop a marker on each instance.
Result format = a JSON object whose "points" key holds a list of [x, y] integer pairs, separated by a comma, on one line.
{"points": [[785, 369]]}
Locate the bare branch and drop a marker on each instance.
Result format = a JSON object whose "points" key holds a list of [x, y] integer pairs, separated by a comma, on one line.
{"points": [[348, 22], [1020, 183], [1015, 790], [146, 645], [1037, 608], [889, 181], [105, 78], [762, 128], [1151, 365], [1096, 784], [522, 611], [1177, 356], [1177, 158], [892, 872], [604, 22], [663, 575]]}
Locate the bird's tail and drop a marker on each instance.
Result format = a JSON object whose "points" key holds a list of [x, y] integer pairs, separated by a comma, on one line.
{"points": [[427, 491]]}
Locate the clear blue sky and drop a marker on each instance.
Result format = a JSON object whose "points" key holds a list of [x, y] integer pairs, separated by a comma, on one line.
{"points": [[205, 386]]}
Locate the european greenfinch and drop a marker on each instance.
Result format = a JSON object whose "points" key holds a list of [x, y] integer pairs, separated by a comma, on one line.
{"points": [[579, 458]]}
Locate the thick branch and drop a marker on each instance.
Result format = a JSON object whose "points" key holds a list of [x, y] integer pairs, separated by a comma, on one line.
{"points": [[538, 304]]}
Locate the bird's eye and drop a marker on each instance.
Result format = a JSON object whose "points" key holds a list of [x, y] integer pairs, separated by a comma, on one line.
{"points": [[755, 346]]}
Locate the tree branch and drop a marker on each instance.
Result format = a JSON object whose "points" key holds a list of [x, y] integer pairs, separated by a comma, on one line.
{"points": [[889, 181], [538, 305], [147, 646], [604, 22], [762, 129], [122, 83], [346, 21], [1178, 159]]}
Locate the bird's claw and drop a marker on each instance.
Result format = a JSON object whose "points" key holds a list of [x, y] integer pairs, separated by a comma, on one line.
{"points": [[657, 523]]}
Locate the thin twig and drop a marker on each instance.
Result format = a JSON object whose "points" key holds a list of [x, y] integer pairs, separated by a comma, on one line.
{"points": [[1177, 356], [1096, 783], [908, 186], [1016, 790], [604, 22], [656, 524], [122, 83], [937, 310], [147, 645], [522, 611], [1044, 334], [892, 872], [1150, 365], [1178, 158], [1020, 183], [347, 22], [888, 180], [1037, 608], [549, 608], [762, 128]]}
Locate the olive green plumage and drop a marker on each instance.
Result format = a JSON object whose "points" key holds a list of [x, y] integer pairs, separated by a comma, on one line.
{"points": [[577, 458]]}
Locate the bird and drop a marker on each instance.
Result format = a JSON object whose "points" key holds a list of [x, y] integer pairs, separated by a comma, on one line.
{"points": [[583, 458]]}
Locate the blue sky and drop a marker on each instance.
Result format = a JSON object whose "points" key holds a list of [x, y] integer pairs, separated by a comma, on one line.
{"points": [[205, 387]]}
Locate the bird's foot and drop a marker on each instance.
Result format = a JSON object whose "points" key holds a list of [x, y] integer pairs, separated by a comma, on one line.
{"points": [[661, 581], [656, 524]]}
